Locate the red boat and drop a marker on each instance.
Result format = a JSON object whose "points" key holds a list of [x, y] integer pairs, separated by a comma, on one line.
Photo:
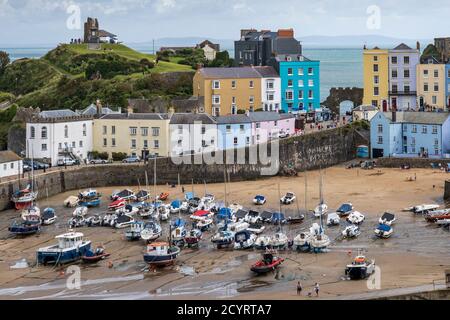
{"points": [[94, 257], [267, 264], [163, 196], [436, 218], [117, 204], [193, 238]]}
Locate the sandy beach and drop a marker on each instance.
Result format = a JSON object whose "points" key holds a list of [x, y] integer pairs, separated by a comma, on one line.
{"points": [[416, 255]]}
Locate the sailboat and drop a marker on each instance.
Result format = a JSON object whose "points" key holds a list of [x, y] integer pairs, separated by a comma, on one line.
{"points": [[322, 208], [25, 198]]}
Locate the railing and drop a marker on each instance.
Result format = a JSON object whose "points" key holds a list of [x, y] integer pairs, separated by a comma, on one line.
{"points": [[403, 93]]}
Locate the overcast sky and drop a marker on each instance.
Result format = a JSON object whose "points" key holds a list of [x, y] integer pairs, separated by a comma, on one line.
{"points": [[45, 21]]}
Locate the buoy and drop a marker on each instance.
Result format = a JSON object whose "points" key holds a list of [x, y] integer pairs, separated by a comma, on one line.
{"points": [[349, 253]]}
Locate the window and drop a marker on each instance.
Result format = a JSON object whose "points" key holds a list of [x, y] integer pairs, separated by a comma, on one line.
{"points": [[300, 94], [394, 88], [425, 87], [394, 60], [380, 128], [375, 58], [204, 144], [144, 131], [301, 83], [133, 131], [113, 130], [155, 132], [374, 103], [424, 129], [406, 60], [406, 73], [448, 73], [242, 128], [32, 132], [203, 129], [113, 142], [376, 91], [252, 84], [44, 147], [311, 83], [84, 130], [66, 131], [380, 139], [300, 71], [311, 94], [251, 99], [301, 106], [275, 124], [258, 137], [180, 129], [436, 142], [216, 84], [413, 141], [414, 128], [394, 73], [270, 96], [436, 73], [290, 72], [228, 129], [105, 130], [436, 87], [233, 84], [434, 100], [133, 143], [376, 79], [289, 95], [310, 71], [145, 144], [247, 140], [375, 68], [407, 88], [236, 141], [258, 125], [270, 85], [216, 99], [290, 83], [44, 133], [80, 144], [74, 144], [12, 165], [425, 73], [435, 130], [105, 142]]}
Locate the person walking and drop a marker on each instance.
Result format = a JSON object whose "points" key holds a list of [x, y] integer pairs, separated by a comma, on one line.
{"points": [[317, 289], [299, 289]]}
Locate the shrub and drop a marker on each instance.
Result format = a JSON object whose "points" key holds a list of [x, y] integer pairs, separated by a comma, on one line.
{"points": [[240, 111], [119, 156], [99, 155]]}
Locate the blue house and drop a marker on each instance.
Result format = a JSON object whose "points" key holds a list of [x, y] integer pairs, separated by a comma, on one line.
{"points": [[447, 86], [234, 131], [410, 134], [300, 83]]}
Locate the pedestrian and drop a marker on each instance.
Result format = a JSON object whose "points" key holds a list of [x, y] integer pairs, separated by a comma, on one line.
{"points": [[182, 189], [317, 289], [299, 289], [415, 176]]}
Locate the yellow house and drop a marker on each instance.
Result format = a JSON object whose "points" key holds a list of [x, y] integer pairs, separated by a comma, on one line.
{"points": [[139, 134], [376, 78], [431, 87], [227, 90]]}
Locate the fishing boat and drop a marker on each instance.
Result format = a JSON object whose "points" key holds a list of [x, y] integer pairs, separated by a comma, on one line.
{"points": [[302, 242], [134, 233], [333, 219], [223, 239], [244, 240], [71, 202], [259, 200], [384, 231], [178, 232], [423, 208], [266, 217], [288, 198], [77, 222], [193, 238], [279, 241], [269, 263], [95, 257], [319, 240], [25, 228], [94, 221], [356, 218], [204, 224], [48, 217], [345, 210], [360, 268], [117, 204], [351, 231], [387, 219], [32, 211], [80, 212], [142, 195], [161, 254], [24, 198], [256, 228], [253, 217], [123, 221], [89, 198], [263, 243], [71, 247], [151, 231]]}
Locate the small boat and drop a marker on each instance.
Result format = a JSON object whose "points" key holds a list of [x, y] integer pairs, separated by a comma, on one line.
{"points": [[94, 221], [117, 204], [241, 215], [127, 195], [24, 198], [71, 247], [279, 241], [71, 202], [201, 215], [123, 221], [89, 198], [259, 200], [32, 211], [142, 195], [151, 231], [175, 206], [345, 210], [388, 219], [302, 242], [204, 224], [223, 239], [288, 198], [351, 231], [80, 212], [266, 217], [235, 207], [134, 233], [356, 218], [296, 219], [256, 228], [320, 210], [193, 238], [163, 196], [253, 217], [161, 254], [77, 222], [443, 222], [435, 216], [128, 210], [238, 226], [319, 240], [164, 213], [384, 231], [178, 232], [48, 217], [208, 198], [25, 228], [263, 243], [278, 218], [333, 220], [224, 214], [188, 196], [244, 240], [360, 268], [423, 208], [95, 257], [268, 263]]}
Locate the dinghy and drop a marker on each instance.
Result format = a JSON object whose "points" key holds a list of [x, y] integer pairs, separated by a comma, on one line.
{"points": [[384, 231], [95, 257], [164, 213], [423, 208], [77, 222], [288, 198], [387, 219], [320, 210], [117, 204], [204, 224], [238, 226], [345, 210], [48, 217], [123, 221], [71, 202], [127, 195], [356, 218], [201, 215], [256, 228], [175, 206], [253, 217], [142, 195], [351, 231], [266, 217], [333, 220], [244, 240], [241, 215], [268, 263], [94, 221], [435, 216], [161, 254], [259, 200], [128, 210], [278, 218]]}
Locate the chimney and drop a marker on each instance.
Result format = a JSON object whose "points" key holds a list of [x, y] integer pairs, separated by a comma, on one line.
{"points": [[130, 110], [98, 103], [418, 45], [286, 33]]}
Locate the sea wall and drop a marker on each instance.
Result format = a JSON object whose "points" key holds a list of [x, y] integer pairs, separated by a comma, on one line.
{"points": [[319, 150], [431, 295], [418, 163]]}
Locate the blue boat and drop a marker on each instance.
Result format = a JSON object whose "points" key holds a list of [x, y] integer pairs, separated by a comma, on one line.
{"points": [[161, 254], [89, 198], [25, 228], [71, 247], [278, 218], [224, 214], [189, 196]]}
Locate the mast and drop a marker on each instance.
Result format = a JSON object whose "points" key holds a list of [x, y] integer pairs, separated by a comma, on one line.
{"points": [[279, 196], [306, 191], [225, 186], [146, 180], [154, 180]]}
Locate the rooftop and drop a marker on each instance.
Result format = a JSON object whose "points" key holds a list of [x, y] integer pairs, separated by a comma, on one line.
{"points": [[8, 156], [136, 116], [233, 119], [190, 118], [267, 72], [291, 58], [230, 73], [52, 114], [419, 117]]}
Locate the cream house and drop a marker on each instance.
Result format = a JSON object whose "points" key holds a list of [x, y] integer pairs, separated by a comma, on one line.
{"points": [[139, 134]]}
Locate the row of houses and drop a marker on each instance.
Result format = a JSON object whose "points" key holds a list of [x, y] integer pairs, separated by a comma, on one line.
{"points": [[65, 134], [407, 80], [271, 74]]}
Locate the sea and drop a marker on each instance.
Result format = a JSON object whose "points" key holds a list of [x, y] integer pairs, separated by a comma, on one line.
{"points": [[340, 67]]}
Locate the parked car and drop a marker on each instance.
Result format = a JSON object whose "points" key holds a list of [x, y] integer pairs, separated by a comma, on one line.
{"points": [[36, 165], [98, 161], [132, 159], [66, 162], [26, 167], [283, 135]]}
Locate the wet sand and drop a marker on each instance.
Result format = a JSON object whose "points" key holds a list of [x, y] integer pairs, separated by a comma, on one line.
{"points": [[416, 255]]}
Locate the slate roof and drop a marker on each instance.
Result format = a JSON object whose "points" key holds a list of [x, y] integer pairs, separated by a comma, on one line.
{"points": [[92, 110], [419, 117], [268, 116], [136, 116], [52, 114], [402, 46], [267, 72], [8, 156], [230, 73], [233, 119], [191, 118], [294, 58]]}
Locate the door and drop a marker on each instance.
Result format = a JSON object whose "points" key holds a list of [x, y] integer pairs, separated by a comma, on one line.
{"points": [[385, 107], [377, 153]]}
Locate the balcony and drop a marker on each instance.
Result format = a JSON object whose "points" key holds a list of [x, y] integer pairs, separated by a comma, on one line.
{"points": [[403, 93]]}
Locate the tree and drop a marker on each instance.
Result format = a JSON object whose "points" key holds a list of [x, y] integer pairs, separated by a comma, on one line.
{"points": [[4, 61]]}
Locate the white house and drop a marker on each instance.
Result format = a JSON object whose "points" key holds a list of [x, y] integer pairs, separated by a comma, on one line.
{"points": [[364, 112], [270, 88], [59, 134], [10, 164]]}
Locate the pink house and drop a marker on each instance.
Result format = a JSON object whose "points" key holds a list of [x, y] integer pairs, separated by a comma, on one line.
{"points": [[271, 125]]}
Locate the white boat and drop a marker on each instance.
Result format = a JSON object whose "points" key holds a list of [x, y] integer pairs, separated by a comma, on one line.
{"points": [[94, 221], [423, 208], [238, 226], [384, 231], [123, 221], [279, 241], [288, 198], [128, 210], [244, 240], [48, 217], [77, 222], [204, 224], [80, 212], [302, 242], [319, 240], [259, 200], [164, 213], [320, 210], [262, 242], [333, 219], [253, 217], [32, 211], [345, 209], [235, 208], [256, 228], [71, 202], [356, 218], [351, 231], [151, 231], [178, 232], [360, 268], [223, 239], [388, 219], [443, 222]]}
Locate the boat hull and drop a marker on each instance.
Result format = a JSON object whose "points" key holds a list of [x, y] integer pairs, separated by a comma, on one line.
{"points": [[161, 260], [62, 256]]}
